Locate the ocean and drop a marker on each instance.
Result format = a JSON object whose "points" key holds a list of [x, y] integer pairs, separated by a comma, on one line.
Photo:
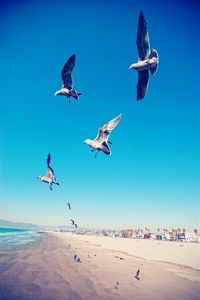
{"points": [[11, 238]]}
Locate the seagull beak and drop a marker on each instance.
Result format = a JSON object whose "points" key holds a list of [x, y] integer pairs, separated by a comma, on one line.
{"points": [[131, 67]]}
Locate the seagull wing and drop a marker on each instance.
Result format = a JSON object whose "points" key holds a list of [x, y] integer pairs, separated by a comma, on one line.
{"points": [[143, 44], [143, 79], [48, 159], [105, 130], [66, 71]]}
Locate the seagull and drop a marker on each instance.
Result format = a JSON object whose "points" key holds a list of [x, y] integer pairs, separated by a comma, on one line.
{"points": [[100, 143], [67, 85], [116, 285], [49, 177], [147, 59], [73, 223], [69, 205]]}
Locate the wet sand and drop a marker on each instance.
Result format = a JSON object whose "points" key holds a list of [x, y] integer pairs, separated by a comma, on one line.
{"points": [[46, 270]]}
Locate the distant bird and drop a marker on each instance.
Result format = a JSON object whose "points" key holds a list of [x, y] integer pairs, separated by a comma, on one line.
{"points": [[116, 285], [73, 223], [147, 60], [137, 275], [67, 85], [69, 205], [100, 143], [121, 258], [49, 177]]}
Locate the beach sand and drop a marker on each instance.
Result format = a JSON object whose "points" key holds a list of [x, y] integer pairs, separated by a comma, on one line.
{"points": [[46, 269]]}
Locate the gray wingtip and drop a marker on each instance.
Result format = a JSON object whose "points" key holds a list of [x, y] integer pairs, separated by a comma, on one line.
{"points": [[139, 98], [48, 159], [141, 13]]}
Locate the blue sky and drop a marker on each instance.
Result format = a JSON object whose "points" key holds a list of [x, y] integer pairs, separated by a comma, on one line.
{"points": [[151, 178]]}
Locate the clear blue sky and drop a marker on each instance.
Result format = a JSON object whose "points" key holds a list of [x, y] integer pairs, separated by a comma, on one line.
{"points": [[151, 179]]}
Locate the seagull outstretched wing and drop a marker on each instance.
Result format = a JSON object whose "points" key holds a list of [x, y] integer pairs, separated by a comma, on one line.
{"points": [[48, 159], [143, 79], [105, 130], [66, 72], [143, 44]]}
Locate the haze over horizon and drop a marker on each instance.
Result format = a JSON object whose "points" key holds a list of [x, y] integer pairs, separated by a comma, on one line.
{"points": [[152, 177], [12, 224]]}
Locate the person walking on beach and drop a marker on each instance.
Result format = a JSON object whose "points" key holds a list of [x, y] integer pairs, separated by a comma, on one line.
{"points": [[77, 258], [137, 275]]}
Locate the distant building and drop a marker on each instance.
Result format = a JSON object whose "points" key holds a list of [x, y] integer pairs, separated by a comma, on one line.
{"points": [[127, 233], [181, 237], [147, 235], [191, 237], [167, 237]]}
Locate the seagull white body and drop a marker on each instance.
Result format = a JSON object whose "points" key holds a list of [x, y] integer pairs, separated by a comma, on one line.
{"points": [[67, 85], [147, 59], [100, 143], [145, 64], [49, 177], [68, 93]]}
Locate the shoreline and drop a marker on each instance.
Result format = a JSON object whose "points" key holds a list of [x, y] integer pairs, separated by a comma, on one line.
{"points": [[15, 239], [46, 270]]}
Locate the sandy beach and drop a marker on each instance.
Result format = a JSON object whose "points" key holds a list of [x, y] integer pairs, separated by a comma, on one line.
{"points": [[46, 269]]}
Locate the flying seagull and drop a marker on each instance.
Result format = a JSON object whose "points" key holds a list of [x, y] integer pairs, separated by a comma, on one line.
{"points": [[49, 177], [73, 223], [67, 85], [100, 143], [147, 59], [69, 205]]}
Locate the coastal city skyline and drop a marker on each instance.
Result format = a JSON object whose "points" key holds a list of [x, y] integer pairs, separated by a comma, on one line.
{"points": [[151, 179]]}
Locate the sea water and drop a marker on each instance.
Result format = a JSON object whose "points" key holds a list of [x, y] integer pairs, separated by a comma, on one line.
{"points": [[14, 237]]}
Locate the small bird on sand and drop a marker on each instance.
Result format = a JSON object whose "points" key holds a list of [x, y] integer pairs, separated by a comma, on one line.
{"points": [[147, 59], [67, 85], [69, 205], [137, 275], [116, 285], [49, 177], [121, 258], [100, 143], [73, 223]]}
